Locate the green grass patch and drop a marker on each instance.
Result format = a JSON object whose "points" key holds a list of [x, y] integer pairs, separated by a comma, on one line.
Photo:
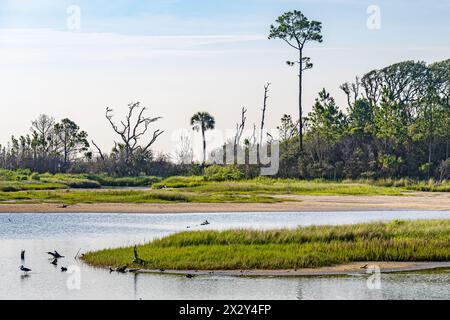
{"points": [[316, 246], [141, 181], [199, 184], [179, 182], [127, 196], [20, 180]]}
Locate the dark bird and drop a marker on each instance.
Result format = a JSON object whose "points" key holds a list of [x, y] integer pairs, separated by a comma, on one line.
{"points": [[22, 268], [205, 223], [55, 255], [365, 267], [162, 270], [22, 255], [190, 276], [63, 269], [54, 262], [9, 220], [64, 206], [122, 269]]}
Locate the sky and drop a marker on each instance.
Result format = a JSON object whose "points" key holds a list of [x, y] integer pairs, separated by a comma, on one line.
{"points": [[72, 59]]}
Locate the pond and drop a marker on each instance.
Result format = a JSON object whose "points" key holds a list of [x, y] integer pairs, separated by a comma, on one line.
{"points": [[70, 233]]}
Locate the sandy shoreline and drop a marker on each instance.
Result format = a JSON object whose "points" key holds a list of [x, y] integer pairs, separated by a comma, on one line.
{"points": [[354, 268], [416, 201]]}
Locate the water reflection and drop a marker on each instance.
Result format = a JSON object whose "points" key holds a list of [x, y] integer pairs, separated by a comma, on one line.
{"points": [[67, 233]]}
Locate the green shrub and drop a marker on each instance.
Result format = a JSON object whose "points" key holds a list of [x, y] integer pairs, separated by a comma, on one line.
{"points": [[141, 181], [180, 182], [223, 173], [82, 184]]}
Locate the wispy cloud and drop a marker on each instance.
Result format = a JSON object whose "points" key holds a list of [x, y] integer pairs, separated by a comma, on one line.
{"points": [[22, 45]]}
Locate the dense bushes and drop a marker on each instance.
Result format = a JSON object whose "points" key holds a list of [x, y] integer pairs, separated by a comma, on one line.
{"points": [[223, 173], [26, 180]]}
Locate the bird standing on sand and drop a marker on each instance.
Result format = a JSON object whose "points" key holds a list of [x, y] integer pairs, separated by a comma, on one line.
{"points": [[26, 270]]}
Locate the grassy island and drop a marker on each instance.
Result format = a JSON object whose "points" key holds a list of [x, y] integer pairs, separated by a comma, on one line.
{"points": [[305, 247]]}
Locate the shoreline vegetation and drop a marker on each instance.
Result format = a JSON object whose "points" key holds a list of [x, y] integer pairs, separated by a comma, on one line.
{"points": [[24, 187], [287, 249]]}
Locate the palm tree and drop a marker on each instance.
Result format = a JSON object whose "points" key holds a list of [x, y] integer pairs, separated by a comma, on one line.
{"points": [[203, 121]]}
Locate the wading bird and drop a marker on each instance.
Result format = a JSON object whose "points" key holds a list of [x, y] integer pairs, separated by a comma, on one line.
{"points": [[26, 270], [55, 255]]}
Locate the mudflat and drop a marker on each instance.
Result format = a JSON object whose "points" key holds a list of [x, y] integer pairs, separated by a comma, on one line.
{"points": [[300, 203]]}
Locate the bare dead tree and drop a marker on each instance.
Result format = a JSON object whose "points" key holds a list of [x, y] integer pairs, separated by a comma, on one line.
{"points": [[254, 134], [240, 127], [351, 90], [266, 97], [43, 128], [185, 153], [99, 150], [133, 129]]}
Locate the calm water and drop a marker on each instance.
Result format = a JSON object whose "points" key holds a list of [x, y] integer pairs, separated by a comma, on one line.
{"points": [[67, 233]]}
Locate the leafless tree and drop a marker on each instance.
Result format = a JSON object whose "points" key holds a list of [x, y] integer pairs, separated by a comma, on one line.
{"points": [[266, 97], [240, 127], [185, 154], [132, 129], [43, 129]]}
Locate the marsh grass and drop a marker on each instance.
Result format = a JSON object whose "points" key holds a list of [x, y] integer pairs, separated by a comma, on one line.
{"points": [[25, 186], [277, 186], [315, 246], [22, 180], [128, 196]]}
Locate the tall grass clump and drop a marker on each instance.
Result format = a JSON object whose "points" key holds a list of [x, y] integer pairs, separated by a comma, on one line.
{"points": [[223, 173], [108, 181], [314, 246], [178, 182]]}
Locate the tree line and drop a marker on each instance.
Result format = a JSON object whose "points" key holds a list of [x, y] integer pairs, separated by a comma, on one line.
{"points": [[396, 124]]}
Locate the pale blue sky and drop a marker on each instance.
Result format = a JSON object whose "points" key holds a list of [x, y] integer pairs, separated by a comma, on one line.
{"points": [[180, 56]]}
